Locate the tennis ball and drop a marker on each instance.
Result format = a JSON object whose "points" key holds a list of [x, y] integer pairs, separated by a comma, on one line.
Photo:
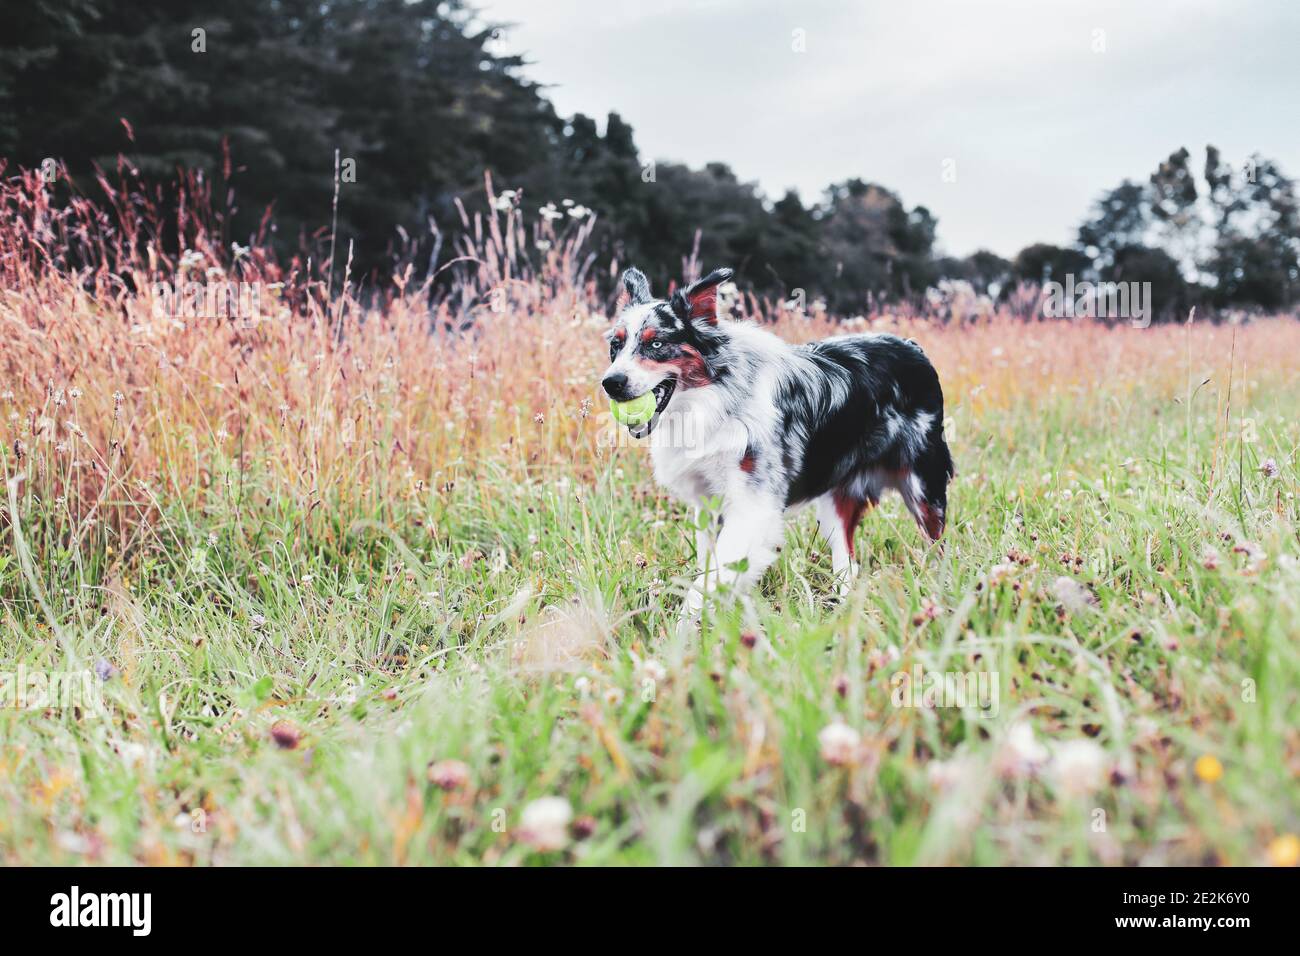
{"points": [[636, 412]]}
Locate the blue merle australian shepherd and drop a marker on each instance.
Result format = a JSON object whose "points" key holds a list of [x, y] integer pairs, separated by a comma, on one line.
{"points": [[766, 427]]}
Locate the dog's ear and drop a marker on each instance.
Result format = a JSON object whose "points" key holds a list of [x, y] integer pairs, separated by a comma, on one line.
{"points": [[637, 286], [698, 302]]}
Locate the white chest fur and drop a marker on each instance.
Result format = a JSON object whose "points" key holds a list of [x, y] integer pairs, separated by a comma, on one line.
{"points": [[696, 449]]}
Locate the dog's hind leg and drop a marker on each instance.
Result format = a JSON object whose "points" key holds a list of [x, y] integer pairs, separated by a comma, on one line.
{"points": [[838, 514]]}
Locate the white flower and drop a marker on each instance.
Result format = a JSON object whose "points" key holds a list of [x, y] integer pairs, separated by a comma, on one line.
{"points": [[579, 212], [1020, 754], [950, 774], [544, 824], [653, 670], [839, 743], [1072, 595], [1078, 767]]}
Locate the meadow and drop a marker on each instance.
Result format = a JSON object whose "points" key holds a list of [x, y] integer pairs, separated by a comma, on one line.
{"points": [[368, 580]]}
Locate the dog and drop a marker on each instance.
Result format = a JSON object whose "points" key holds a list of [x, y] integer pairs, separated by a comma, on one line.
{"points": [[751, 428]]}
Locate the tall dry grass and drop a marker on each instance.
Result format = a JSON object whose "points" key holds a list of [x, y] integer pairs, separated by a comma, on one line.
{"points": [[345, 401]]}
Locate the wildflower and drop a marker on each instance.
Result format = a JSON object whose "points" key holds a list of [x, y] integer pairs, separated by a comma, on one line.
{"points": [[1209, 558], [1079, 767], [544, 824], [449, 774], [653, 670], [949, 774], [550, 213], [542, 245], [257, 620], [1256, 558], [1072, 595], [104, 670], [998, 573], [1269, 469], [579, 212], [1208, 768], [1284, 850], [839, 743], [539, 419], [75, 393], [1020, 754], [286, 735], [614, 696], [929, 611]]}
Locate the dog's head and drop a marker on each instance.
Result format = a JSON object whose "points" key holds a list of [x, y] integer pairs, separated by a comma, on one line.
{"points": [[664, 345]]}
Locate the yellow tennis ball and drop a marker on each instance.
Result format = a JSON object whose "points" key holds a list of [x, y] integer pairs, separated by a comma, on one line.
{"points": [[636, 412]]}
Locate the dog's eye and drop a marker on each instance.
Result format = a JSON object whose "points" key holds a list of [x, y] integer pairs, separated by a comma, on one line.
{"points": [[656, 344]]}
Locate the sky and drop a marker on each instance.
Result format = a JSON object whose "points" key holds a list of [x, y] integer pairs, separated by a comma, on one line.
{"points": [[1005, 118]]}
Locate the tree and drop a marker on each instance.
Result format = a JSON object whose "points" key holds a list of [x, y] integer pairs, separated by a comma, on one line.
{"points": [[1173, 205], [1256, 254], [875, 245], [1042, 262], [1171, 294], [1120, 218]]}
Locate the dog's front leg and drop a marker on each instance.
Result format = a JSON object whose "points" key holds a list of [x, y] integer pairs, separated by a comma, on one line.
{"points": [[747, 545]]}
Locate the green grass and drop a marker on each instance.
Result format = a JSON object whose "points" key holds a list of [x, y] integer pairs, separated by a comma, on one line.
{"points": [[385, 644]]}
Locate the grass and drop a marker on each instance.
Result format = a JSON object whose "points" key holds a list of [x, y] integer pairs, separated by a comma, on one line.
{"points": [[357, 592]]}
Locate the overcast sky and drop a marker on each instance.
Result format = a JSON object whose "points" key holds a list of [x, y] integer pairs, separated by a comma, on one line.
{"points": [[1036, 122]]}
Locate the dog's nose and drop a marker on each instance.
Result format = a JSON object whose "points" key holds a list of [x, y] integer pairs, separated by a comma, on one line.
{"points": [[615, 386]]}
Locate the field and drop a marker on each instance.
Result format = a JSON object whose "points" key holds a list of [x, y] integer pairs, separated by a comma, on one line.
{"points": [[354, 585]]}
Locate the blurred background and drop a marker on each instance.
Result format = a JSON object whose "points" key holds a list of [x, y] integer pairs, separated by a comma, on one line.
{"points": [[861, 153]]}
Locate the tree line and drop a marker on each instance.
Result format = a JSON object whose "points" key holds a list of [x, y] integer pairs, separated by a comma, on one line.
{"points": [[415, 98]]}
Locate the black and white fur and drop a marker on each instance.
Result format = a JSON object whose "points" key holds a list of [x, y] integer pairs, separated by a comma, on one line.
{"points": [[767, 427]]}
